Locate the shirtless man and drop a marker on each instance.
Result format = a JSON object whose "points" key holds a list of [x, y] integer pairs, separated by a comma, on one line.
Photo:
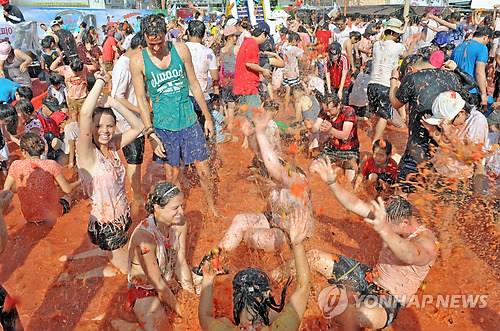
{"points": [[9, 318], [290, 192], [407, 255], [175, 133]]}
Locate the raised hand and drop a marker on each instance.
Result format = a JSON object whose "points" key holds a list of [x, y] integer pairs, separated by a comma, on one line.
{"points": [[380, 222], [323, 167], [297, 226]]}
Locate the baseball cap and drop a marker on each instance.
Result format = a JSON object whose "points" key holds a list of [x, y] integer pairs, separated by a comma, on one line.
{"points": [[261, 27], [4, 2], [51, 103], [230, 30], [5, 49], [446, 106], [395, 25], [437, 59], [231, 22]]}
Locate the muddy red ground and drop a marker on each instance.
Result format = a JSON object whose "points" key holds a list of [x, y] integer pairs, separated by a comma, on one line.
{"points": [[31, 272]]}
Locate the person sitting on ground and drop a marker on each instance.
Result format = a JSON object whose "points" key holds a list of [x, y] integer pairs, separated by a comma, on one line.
{"points": [[379, 169], [252, 298], [290, 191], [38, 182], [409, 250], [459, 130], [157, 259], [103, 176], [337, 124], [9, 317], [307, 107]]}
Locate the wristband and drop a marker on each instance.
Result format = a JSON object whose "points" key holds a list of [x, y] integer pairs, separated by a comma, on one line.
{"points": [[101, 79]]}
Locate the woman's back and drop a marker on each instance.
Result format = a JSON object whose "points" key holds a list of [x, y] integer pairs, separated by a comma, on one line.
{"points": [[36, 188]]}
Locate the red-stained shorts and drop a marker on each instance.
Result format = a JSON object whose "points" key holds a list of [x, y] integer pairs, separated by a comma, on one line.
{"points": [[135, 293]]}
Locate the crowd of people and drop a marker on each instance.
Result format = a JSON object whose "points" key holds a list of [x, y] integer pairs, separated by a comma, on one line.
{"points": [[190, 88]]}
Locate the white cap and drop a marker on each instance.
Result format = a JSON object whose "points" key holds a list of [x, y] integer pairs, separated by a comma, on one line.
{"points": [[231, 22], [446, 106]]}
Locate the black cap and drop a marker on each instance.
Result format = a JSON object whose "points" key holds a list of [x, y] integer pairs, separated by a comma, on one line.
{"points": [[260, 28], [51, 103]]}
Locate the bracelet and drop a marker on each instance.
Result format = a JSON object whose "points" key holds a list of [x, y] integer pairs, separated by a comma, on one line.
{"points": [[395, 78], [148, 131], [101, 79]]}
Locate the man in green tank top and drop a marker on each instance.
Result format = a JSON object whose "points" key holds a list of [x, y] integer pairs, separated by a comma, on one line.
{"points": [[175, 134]]}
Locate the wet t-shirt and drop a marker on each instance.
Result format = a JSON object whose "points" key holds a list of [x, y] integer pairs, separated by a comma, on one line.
{"points": [[419, 90], [36, 188], [347, 114]]}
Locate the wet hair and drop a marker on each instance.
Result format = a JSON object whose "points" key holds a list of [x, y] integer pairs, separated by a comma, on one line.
{"points": [[267, 46], [9, 318], [99, 111], [55, 79], [483, 31], [388, 32], [196, 29], [398, 209], [9, 115], [355, 34], [25, 92], [90, 82], [76, 64], [387, 148], [153, 25], [25, 107], [160, 195], [332, 98], [454, 16], [251, 291], [407, 63], [334, 49], [47, 41], [340, 18], [293, 36], [32, 144], [83, 25], [138, 40], [302, 29], [87, 37]]}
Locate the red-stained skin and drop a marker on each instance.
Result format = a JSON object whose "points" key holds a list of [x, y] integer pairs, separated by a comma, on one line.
{"points": [[30, 268]]}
